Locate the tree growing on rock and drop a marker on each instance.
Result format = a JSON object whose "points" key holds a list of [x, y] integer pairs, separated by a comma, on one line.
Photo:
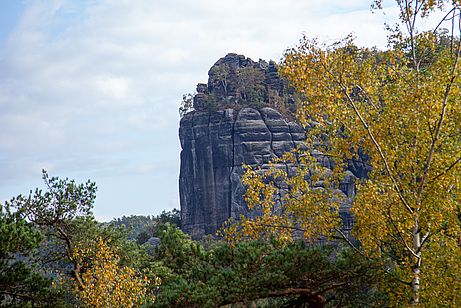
{"points": [[221, 74], [186, 104], [250, 82]]}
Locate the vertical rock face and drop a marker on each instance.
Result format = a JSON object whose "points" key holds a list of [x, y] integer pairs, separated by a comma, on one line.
{"points": [[206, 165], [215, 146], [217, 143]]}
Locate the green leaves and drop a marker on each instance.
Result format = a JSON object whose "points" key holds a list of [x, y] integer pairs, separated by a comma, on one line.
{"points": [[78, 253], [257, 271], [63, 200], [18, 236], [21, 283]]}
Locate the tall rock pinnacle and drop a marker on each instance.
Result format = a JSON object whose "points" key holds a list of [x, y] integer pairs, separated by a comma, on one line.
{"points": [[235, 122]]}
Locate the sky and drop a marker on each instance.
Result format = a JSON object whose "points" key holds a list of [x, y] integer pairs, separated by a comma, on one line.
{"points": [[90, 89]]}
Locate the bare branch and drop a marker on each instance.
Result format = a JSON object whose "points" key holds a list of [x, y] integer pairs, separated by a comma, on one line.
{"points": [[380, 151], [440, 121], [388, 271], [348, 241], [423, 241], [402, 240], [451, 166], [452, 11], [372, 137]]}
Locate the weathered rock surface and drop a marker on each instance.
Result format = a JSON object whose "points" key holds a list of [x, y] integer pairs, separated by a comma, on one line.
{"points": [[235, 79], [217, 143]]}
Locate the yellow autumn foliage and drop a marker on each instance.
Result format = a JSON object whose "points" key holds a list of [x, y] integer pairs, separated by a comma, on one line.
{"points": [[105, 282], [402, 108], [284, 202]]}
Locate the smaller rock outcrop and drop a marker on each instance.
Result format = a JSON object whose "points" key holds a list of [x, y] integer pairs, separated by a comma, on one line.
{"points": [[201, 98], [236, 81]]}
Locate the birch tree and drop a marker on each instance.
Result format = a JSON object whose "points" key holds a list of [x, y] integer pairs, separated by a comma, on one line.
{"points": [[401, 107]]}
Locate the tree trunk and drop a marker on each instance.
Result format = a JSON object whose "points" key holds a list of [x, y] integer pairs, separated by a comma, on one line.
{"points": [[415, 286], [417, 267], [77, 277]]}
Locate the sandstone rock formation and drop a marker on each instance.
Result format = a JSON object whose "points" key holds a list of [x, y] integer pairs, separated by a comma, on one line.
{"points": [[237, 80], [216, 143]]}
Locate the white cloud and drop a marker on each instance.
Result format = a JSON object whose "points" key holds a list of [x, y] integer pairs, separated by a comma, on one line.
{"points": [[113, 87], [93, 86]]}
